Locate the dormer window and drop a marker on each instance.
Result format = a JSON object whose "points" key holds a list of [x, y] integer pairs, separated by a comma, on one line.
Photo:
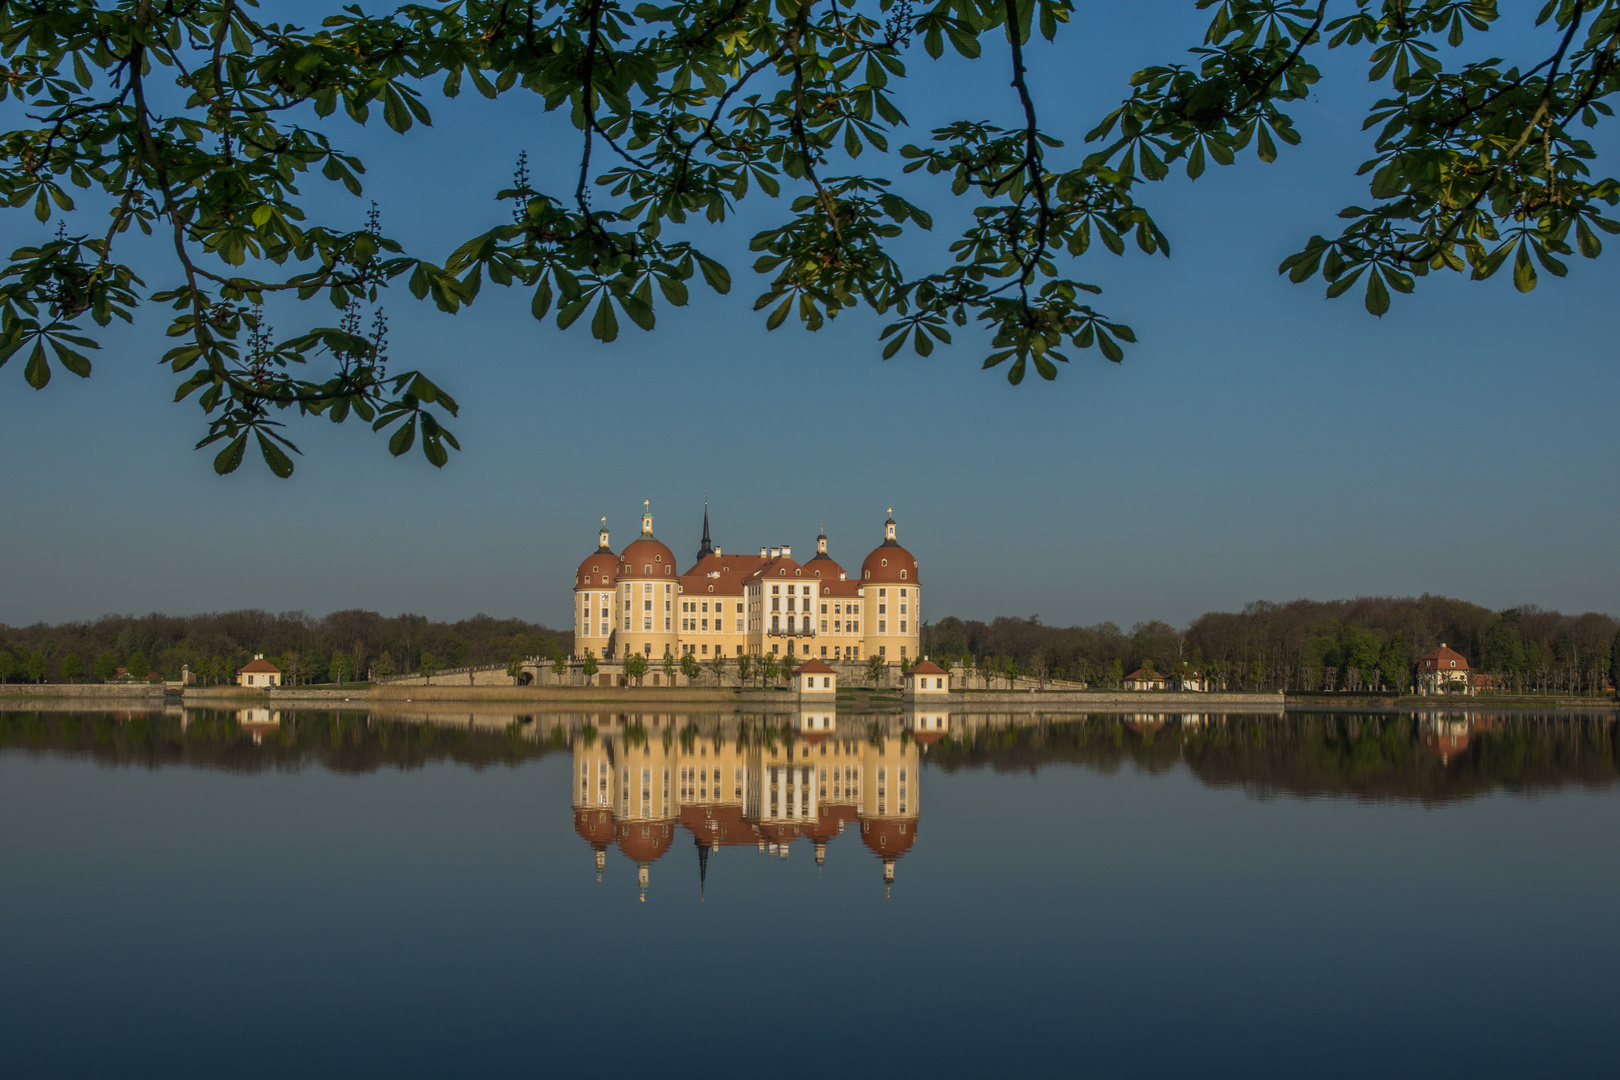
{"points": [[646, 568], [902, 575], [885, 562]]}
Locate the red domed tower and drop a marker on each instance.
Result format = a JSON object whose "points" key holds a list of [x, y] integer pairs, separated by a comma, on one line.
{"points": [[648, 585], [891, 600], [594, 593]]}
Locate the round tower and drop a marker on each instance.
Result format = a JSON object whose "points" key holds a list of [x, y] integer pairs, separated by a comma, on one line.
{"points": [[647, 590], [594, 599], [891, 600]]}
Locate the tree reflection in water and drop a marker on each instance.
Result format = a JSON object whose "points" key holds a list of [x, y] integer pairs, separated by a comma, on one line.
{"points": [[640, 781]]}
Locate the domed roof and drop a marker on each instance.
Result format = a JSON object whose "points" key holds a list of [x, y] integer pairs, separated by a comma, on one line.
{"points": [[644, 841], [889, 561], [888, 838], [597, 569], [646, 551], [595, 827]]}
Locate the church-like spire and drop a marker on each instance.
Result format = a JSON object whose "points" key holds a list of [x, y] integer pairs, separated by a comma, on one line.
{"points": [[703, 867], [707, 548]]}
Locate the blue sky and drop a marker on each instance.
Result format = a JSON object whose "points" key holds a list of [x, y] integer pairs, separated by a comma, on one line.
{"points": [[1260, 443]]}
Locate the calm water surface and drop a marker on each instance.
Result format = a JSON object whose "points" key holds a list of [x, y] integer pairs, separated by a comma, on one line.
{"points": [[259, 893]]}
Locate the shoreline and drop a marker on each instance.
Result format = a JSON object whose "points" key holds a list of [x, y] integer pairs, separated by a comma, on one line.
{"points": [[862, 698]]}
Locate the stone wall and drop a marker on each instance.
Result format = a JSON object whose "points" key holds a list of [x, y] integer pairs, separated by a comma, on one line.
{"points": [[99, 691]]}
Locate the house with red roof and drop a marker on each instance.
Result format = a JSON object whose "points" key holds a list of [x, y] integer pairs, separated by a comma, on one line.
{"points": [[259, 672], [1443, 671]]}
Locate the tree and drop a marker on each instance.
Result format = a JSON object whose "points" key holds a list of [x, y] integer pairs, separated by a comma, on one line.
{"points": [[384, 668], [690, 667], [105, 667], [1614, 663], [590, 667], [138, 665], [36, 665], [559, 665], [769, 669], [72, 667], [669, 669], [875, 668], [718, 666], [338, 668], [635, 666], [428, 666], [8, 666], [514, 668], [1474, 165], [745, 669]]}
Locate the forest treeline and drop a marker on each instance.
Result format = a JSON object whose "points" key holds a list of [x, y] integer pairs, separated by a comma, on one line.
{"points": [[1370, 643], [342, 646]]}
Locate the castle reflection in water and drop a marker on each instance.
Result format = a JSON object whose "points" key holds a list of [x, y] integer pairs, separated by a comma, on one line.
{"points": [[642, 781]]}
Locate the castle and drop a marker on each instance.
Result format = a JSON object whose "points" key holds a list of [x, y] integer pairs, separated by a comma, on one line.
{"points": [[746, 605]]}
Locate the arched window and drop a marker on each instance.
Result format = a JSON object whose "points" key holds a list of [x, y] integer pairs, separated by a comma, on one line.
{"points": [[902, 575]]}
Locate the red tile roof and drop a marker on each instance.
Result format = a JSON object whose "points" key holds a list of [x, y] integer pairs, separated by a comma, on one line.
{"points": [[813, 667], [1442, 658], [259, 663], [926, 667]]}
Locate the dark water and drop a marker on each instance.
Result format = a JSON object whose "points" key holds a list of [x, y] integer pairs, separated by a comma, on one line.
{"points": [[323, 894]]}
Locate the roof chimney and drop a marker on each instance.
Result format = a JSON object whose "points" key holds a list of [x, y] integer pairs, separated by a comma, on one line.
{"points": [[717, 551], [787, 552], [762, 553], [776, 553]]}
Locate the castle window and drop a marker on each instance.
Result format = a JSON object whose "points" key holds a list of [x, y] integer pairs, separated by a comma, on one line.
{"points": [[646, 568], [658, 558], [902, 575], [885, 562]]}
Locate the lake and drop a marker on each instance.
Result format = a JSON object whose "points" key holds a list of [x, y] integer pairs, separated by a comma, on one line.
{"points": [[820, 894]]}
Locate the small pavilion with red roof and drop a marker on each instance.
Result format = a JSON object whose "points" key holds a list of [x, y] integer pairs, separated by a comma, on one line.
{"points": [[259, 672], [814, 677], [926, 678]]}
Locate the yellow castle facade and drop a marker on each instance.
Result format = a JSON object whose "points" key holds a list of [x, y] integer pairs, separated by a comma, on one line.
{"points": [[731, 605]]}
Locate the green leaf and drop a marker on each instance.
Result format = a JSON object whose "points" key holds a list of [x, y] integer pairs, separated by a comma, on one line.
{"points": [[717, 276], [781, 313], [1377, 300], [542, 299], [402, 440], [38, 371], [77, 363], [227, 460], [1524, 272], [279, 462], [604, 324]]}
